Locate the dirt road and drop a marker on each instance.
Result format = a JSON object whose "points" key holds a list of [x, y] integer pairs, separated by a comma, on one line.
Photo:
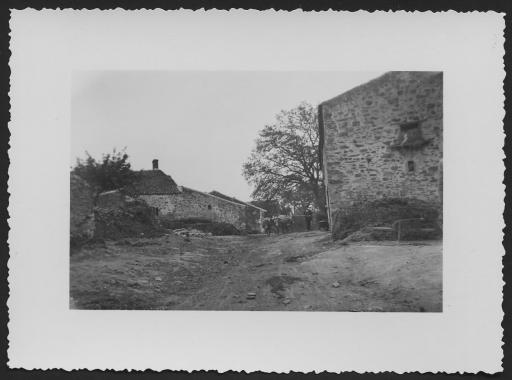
{"points": [[298, 271]]}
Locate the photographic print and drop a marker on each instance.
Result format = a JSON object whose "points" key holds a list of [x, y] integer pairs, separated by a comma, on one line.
{"points": [[304, 191], [252, 190]]}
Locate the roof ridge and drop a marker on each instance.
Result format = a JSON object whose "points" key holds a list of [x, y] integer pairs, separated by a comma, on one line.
{"points": [[236, 200], [155, 181], [428, 75]]}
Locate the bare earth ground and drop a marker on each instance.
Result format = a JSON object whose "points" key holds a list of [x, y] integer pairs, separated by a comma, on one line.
{"points": [[303, 271]]}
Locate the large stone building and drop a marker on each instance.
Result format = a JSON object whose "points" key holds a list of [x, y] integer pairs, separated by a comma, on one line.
{"points": [[175, 202], [384, 139]]}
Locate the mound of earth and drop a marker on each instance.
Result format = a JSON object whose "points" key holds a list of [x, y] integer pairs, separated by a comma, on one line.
{"points": [[132, 219], [358, 219]]}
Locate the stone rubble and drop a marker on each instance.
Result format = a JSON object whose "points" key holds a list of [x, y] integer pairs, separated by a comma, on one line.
{"points": [[183, 232]]}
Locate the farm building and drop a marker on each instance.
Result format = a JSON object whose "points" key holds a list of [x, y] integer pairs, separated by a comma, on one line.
{"points": [[384, 140], [175, 202]]}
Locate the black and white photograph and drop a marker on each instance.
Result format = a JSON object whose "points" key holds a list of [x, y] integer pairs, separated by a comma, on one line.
{"points": [[242, 190], [305, 191]]}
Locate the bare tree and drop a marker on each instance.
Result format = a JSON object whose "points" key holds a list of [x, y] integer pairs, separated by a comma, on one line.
{"points": [[285, 163]]}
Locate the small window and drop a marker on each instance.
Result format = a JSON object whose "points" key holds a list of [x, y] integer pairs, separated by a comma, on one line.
{"points": [[410, 136], [209, 207], [410, 166]]}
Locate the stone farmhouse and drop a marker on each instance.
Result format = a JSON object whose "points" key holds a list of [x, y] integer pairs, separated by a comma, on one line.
{"points": [[175, 202], [384, 139]]}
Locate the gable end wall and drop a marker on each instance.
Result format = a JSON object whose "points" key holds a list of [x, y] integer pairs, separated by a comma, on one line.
{"points": [[360, 128]]}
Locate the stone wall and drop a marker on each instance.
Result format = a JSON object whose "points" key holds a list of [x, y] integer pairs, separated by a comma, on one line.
{"points": [[253, 218], [111, 200], [81, 209], [118, 215], [195, 204], [363, 129]]}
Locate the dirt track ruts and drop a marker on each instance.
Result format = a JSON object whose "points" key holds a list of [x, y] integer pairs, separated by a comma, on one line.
{"points": [[298, 271]]}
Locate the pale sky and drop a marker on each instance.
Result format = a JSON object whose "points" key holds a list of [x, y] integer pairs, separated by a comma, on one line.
{"points": [[200, 125]]}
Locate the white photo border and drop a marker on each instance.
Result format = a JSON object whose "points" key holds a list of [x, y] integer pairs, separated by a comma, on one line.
{"points": [[48, 45]]}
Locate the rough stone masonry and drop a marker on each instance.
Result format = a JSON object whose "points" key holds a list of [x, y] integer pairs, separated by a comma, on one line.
{"points": [[384, 139], [190, 203], [175, 202], [82, 212]]}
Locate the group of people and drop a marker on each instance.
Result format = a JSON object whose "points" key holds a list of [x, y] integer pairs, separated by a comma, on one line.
{"points": [[282, 224]]}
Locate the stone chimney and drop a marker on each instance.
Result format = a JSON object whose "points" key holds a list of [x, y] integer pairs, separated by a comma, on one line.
{"points": [[155, 164]]}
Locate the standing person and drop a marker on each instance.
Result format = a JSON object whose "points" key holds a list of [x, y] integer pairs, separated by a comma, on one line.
{"points": [[308, 214]]}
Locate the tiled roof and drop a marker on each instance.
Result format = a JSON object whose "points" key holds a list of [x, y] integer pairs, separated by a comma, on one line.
{"points": [[152, 182], [220, 195], [234, 200]]}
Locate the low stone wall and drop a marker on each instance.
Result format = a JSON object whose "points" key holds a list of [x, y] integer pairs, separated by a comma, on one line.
{"points": [[127, 218], [381, 213], [111, 200], [81, 209]]}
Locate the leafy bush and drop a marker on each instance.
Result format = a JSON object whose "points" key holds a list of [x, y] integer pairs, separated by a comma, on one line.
{"points": [[112, 172]]}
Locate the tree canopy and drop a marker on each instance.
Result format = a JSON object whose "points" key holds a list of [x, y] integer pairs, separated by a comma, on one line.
{"points": [[285, 164], [112, 172]]}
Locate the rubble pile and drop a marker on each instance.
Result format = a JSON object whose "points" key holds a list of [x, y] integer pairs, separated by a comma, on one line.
{"points": [[201, 225], [184, 232]]}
